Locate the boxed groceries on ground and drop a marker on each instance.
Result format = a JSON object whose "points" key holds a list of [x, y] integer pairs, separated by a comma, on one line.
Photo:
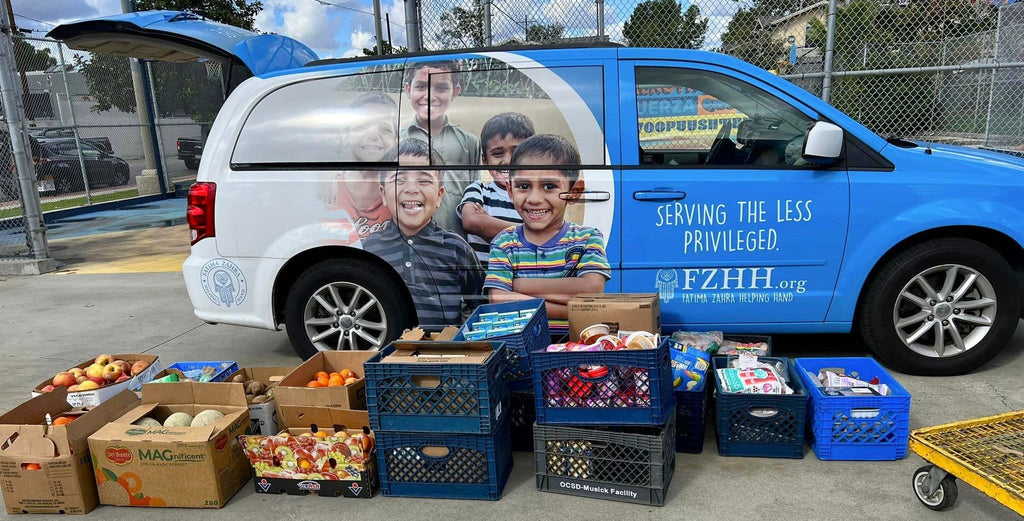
{"points": [[91, 382], [620, 311], [328, 379], [260, 385]]}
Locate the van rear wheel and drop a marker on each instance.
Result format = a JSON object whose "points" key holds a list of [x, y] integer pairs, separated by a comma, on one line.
{"points": [[344, 305]]}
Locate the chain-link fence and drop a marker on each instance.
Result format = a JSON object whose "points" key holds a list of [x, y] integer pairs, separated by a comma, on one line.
{"points": [[943, 70]]}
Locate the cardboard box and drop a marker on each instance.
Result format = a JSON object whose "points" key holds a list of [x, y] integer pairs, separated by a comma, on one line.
{"points": [[620, 311], [196, 467], [97, 396], [292, 389], [407, 352], [448, 333], [297, 462], [262, 416], [64, 482], [305, 417]]}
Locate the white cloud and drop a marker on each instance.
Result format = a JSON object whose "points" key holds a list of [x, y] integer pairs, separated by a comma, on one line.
{"points": [[306, 21]]}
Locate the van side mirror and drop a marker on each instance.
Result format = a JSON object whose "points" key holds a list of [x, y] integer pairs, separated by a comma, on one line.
{"points": [[823, 144]]}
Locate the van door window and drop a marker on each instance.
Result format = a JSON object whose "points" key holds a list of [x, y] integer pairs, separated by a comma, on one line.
{"points": [[695, 118]]}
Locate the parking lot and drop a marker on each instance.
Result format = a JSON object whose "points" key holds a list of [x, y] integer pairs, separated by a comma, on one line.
{"points": [[120, 290]]}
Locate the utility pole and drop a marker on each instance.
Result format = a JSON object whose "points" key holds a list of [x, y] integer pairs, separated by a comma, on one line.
{"points": [[376, 27], [21, 73], [387, 22], [148, 182], [412, 25]]}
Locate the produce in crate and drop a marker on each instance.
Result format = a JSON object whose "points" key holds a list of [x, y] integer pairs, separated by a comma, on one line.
{"points": [[104, 370], [255, 391], [334, 379], [336, 455]]}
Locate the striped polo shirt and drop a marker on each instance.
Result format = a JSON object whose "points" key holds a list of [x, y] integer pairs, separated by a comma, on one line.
{"points": [[438, 266], [573, 252], [497, 204]]}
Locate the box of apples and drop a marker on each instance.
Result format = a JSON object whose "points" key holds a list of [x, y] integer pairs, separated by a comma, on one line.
{"points": [[91, 382]]}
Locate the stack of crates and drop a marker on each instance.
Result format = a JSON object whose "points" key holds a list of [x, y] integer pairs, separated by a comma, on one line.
{"points": [[605, 423], [523, 328], [441, 428]]}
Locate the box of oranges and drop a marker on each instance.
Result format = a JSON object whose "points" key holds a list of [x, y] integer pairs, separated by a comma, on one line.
{"points": [[328, 379]]}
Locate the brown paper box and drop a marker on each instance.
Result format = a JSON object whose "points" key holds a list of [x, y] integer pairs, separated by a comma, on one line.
{"points": [[426, 352], [65, 482], [301, 419], [96, 397], [416, 333], [263, 416], [620, 311], [292, 389], [195, 467]]}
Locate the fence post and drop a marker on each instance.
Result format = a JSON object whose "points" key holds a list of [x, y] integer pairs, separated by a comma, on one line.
{"points": [[600, 19], [148, 182], [412, 25], [377, 28], [826, 81], [488, 36], [992, 78], [74, 124], [14, 109]]}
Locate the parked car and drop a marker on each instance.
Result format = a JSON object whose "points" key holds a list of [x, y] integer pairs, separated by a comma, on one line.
{"points": [[45, 134], [59, 171], [745, 202], [190, 150]]}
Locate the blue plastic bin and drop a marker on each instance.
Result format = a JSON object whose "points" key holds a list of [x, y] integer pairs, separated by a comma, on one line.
{"points": [[192, 370], [691, 416], [435, 397], [452, 466], [763, 425], [518, 346], [872, 428], [636, 389]]}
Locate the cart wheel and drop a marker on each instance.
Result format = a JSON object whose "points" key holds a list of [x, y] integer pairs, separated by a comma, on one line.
{"points": [[944, 496]]}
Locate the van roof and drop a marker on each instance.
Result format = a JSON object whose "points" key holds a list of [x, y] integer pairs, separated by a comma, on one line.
{"points": [[506, 48]]}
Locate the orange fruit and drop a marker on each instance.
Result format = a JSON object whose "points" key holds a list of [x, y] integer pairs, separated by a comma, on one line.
{"points": [[332, 375], [323, 381], [314, 383], [320, 434], [348, 373], [31, 466], [63, 420], [336, 381], [321, 374], [351, 381]]}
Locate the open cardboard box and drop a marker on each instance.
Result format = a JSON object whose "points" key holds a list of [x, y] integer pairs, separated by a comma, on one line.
{"points": [[46, 468], [296, 461], [263, 416], [434, 352], [197, 467], [292, 389], [416, 333], [97, 396], [620, 311]]}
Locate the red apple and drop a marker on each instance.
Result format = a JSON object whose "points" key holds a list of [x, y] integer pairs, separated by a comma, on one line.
{"points": [[104, 359], [126, 368], [81, 379], [111, 372], [94, 371], [139, 367], [73, 389], [48, 388], [64, 378], [122, 378], [77, 371], [99, 381]]}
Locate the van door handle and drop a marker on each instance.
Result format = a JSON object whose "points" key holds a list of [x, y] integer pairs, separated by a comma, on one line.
{"points": [[586, 195], [659, 195]]}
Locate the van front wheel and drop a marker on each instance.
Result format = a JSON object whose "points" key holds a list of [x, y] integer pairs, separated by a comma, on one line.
{"points": [[942, 307], [343, 305]]}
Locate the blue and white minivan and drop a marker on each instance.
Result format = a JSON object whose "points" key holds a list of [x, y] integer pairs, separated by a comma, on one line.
{"points": [[349, 199]]}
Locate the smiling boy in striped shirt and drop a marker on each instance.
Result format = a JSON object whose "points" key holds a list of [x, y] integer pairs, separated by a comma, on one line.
{"points": [[546, 257]]}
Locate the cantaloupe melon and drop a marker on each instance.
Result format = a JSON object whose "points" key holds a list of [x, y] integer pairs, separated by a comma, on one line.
{"points": [[206, 417], [178, 419], [146, 421]]}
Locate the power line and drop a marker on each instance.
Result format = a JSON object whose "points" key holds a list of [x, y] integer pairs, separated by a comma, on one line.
{"points": [[34, 19], [324, 2]]}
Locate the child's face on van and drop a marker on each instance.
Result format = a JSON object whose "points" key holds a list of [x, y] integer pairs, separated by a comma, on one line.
{"points": [[431, 91], [364, 187], [413, 195], [536, 195], [497, 152], [372, 135]]}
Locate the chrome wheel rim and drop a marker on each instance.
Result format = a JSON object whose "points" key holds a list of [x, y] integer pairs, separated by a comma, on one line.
{"points": [[921, 488], [342, 316], [945, 311]]}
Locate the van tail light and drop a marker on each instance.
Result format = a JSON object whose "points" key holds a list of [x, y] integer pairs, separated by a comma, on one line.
{"points": [[199, 215]]}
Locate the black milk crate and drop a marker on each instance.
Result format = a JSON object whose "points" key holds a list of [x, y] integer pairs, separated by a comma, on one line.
{"points": [[435, 397], [437, 465], [519, 344], [521, 417], [631, 464], [764, 425], [691, 416]]}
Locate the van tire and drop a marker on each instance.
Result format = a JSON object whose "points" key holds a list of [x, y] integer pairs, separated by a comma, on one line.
{"points": [[878, 314], [372, 281]]}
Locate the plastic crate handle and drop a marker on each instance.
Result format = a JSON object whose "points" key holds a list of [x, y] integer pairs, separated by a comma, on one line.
{"points": [[435, 452], [763, 412], [426, 381], [865, 412]]}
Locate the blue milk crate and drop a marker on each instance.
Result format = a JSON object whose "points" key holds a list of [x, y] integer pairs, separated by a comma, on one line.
{"points": [[691, 415], [435, 396], [856, 427], [764, 425], [193, 370], [452, 466], [519, 344], [635, 387]]}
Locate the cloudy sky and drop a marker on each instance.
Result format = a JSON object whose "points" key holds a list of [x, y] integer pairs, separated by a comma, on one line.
{"points": [[345, 28]]}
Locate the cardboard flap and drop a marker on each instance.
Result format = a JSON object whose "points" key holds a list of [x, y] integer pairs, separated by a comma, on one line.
{"points": [[209, 393], [128, 432], [266, 375], [417, 333], [96, 417], [34, 411], [407, 352], [29, 440], [607, 297], [324, 417]]}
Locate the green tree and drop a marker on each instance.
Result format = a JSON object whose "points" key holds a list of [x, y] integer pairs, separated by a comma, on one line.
{"points": [[180, 88], [30, 57], [747, 39], [545, 33], [462, 27], [662, 23], [388, 49]]}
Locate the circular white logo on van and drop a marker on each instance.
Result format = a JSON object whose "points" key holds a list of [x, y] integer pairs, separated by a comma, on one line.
{"points": [[223, 282]]}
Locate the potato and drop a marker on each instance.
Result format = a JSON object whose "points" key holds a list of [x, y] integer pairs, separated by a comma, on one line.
{"points": [[239, 379], [255, 388]]}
